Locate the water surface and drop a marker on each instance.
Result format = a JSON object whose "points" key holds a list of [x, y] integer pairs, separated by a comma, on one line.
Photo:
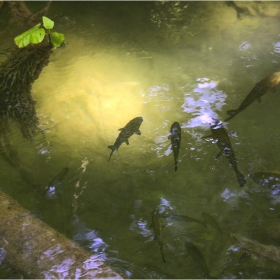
{"points": [[165, 61]]}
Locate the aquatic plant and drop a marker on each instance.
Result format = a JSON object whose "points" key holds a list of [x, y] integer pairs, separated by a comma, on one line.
{"points": [[36, 35]]}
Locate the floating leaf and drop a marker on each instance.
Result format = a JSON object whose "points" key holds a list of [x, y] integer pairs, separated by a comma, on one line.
{"points": [[34, 35], [57, 39], [48, 23]]}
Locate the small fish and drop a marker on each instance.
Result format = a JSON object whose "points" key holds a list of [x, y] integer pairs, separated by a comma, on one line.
{"points": [[266, 179], [197, 257], [158, 226], [181, 218], [131, 128], [210, 220], [220, 136], [55, 182], [268, 83], [175, 136]]}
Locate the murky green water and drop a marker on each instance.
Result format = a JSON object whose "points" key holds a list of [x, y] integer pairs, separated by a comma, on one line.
{"points": [[167, 62]]}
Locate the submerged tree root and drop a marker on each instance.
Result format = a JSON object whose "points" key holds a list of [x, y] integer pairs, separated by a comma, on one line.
{"points": [[21, 15], [17, 74], [269, 252]]}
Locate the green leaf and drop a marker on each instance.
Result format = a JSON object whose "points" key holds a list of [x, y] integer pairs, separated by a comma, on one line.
{"points": [[48, 23], [34, 35], [57, 39], [38, 36]]}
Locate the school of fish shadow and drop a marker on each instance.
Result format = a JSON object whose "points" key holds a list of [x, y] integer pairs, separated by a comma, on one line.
{"points": [[219, 136]]}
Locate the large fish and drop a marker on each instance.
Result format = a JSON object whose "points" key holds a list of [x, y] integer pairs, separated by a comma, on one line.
{"points": [[175, 136], [268, 83], [55, 183], [158, 226], [182, 218], [266, 179], [221, 138], [131, 128], [198, 258]]}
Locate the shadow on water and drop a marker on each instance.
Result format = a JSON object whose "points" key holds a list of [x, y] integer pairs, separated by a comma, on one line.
{"points": [[185, 62]]}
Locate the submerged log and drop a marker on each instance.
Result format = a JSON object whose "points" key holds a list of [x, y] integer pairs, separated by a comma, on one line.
{"points": [[38, 251], [269, 252]]}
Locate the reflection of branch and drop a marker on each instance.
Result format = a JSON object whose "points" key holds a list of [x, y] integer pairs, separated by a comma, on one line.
{"points": [[76, 195], [264, 251], [22, 15]]}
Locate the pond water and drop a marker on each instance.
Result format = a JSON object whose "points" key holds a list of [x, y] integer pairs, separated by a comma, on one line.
{"points": [[185, 62]]}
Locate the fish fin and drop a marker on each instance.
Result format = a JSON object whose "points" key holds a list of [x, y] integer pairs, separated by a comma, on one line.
{"points": [[126, 142], [120, 129], [273, 89], [113, 148], [259, 100], [232, 113], [240, 178], [219, 154], [138, 132]]}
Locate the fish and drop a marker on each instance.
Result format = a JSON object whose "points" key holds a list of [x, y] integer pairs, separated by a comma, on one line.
{"points": [[132, 127], [175, 137], [266, 179], [158, 226], [198, 257], [210, 220], [182, 218], [55, 182], [220, 137], [260, 88]]}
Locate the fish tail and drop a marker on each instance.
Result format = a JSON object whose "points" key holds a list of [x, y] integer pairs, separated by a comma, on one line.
{"points": [[162, 255], [240, 178], [113, 148], [231, 113], [176, 165]]}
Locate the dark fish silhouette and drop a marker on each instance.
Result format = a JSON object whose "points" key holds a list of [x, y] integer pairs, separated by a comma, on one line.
{"points": [[158, 226], [181, 218], [268, 83], [221, 138], [131, 128], [175, 136], [198, 258], [210, 220], [266, 179], [55, 183]]}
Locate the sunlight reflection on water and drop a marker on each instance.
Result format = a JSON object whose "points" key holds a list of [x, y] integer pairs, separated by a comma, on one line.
{"points": [[203, 103], [84, 234]]}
